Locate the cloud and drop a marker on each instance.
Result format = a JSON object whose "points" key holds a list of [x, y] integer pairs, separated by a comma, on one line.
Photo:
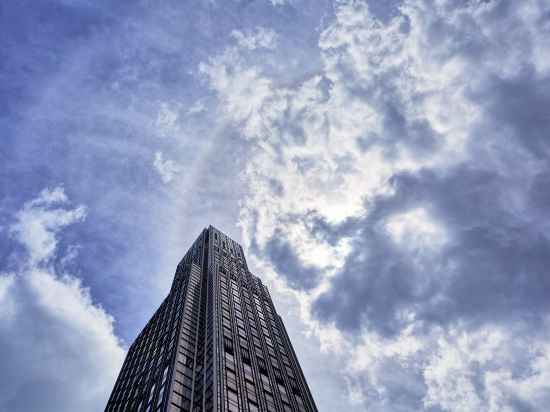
{"points": [[288, 265], [197, 107], [39, 220], [260, 38], [394, 178], [167, 169], [242, 90], [490, 369], [442, 284], [494, 368], [167, 119], [279, 2], [400, 192], [59, 352]]}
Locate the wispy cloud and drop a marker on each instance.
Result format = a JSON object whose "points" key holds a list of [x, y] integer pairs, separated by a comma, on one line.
{"points": [[260, 38], [39, 221], [167, 169], [197, 107]]}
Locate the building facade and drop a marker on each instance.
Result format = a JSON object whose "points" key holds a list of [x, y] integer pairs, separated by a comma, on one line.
{"points": [[216, 343]]}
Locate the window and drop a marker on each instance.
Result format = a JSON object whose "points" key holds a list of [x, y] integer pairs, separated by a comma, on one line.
{"points": [[300, 402], [231, 379], [265, 383], [261, 365], [270, 401], [230, 374], [286, 407], [245, 354], [161, 393], [232, 399], [229, 358], [151, 392], [248, 372], [253, 407], [251, 389], [164, 374], [228, 345]]}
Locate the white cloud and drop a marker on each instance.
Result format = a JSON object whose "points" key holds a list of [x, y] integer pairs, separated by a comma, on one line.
{"points": [[483, 370], [416, 228], [167, 169], [279, 2], [260, 38], [242, 90], [166, 123], [197, 107], [457, 370], [59, 351], [39, 221]]}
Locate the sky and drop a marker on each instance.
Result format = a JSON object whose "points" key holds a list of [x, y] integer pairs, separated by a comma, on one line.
{"points": [[385, 165]]}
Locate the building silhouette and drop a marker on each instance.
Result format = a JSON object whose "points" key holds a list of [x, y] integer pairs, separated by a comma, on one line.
{"points": [[216, 343]]}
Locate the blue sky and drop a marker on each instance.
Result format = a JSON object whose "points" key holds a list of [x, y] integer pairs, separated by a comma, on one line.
{"points": [[385, 164]]}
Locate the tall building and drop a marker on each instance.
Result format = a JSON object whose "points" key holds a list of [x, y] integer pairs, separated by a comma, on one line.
{"points": [[216, 343]]}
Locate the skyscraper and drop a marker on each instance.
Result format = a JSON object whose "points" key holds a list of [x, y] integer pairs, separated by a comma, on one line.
{"points": [[216, 343]]}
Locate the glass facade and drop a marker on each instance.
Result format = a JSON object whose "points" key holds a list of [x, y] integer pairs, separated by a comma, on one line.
{"points": [[216, 343]]}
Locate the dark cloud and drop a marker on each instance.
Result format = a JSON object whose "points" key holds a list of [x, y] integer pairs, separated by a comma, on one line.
{"points": [[400, 132], [456, 97], [539, 192], [288, 265], [493, 267], [491, 206], [405, 396], [330, 233], [517, 108]]}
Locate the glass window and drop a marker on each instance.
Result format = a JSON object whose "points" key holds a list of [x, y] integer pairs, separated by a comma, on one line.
{"points": [[253, 407]]}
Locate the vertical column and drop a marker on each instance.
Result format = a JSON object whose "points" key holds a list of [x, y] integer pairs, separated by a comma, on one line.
{"points": [[183, 378]]}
